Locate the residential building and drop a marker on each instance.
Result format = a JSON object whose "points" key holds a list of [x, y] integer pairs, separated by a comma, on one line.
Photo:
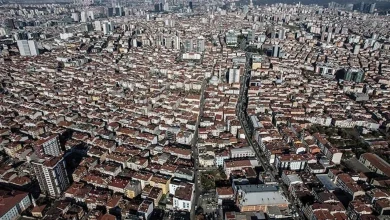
{"points": [[161, 181], [52, 175], [224, 193], [49, 145], [13, 203], [28, 47], [231, 38], [354, 75], [231, 165], [375, 164], [133, 189], [182, 199], [242, 152]]}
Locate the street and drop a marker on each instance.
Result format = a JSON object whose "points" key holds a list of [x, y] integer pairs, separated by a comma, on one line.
{"points": [[241, 112], [195, 153]]}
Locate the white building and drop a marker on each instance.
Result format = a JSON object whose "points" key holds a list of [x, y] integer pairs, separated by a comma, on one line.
{"points": [[242, 152], [91, 15], [221, 157], [51, 174], [173, 185], [231, 38], [182, 199], [291, 178], [76, 16], [65, 36], [50, 145], [13, 203], [28, 47], [234, 75], [146, 208], [290, 162], [84, 16], [200, 43], [98, 26], [108, 27]]}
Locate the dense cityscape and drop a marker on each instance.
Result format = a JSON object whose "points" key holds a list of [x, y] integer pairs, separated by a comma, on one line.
{"points": [[174, 109]]}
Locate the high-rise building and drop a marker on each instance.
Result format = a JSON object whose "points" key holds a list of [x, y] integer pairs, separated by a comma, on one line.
{"points": [[87, 27], [326, 69], [190, 5], [110, 12], [9, 23], [365, 7], [156, 7], [188, 45], [48, 146], [4, 31], [51, 174], [176, 42], [119, 11], [231, 38], [251, 36], [166, 6], [354, 75], [91, 15], [234, 75], [21, 36], [273, 34], [348, 7], [108, 27], [371, 8], [84, 17], [76, 16], [356, 49], [262, 38], [13, 203], [200, 43], [282, 34], [323, 36], [28, 47], [275, 50], [98, 26], [134, 42], [361, 6], [329, 37]]}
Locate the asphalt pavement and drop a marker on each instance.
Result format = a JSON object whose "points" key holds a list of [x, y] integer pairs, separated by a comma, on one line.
{"points": [[195, 153], [241, 112]]}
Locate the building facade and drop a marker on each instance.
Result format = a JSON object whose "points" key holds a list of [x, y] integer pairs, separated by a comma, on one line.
{"points": [[28, 47], [52, 176], [12, 203]]}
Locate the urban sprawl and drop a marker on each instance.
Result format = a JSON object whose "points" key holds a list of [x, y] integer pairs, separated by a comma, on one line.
{"points": [[179, 109]]}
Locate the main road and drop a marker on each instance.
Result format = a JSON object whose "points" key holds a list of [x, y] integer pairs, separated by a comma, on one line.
{"points": [[195, 152], [244, 120]]}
